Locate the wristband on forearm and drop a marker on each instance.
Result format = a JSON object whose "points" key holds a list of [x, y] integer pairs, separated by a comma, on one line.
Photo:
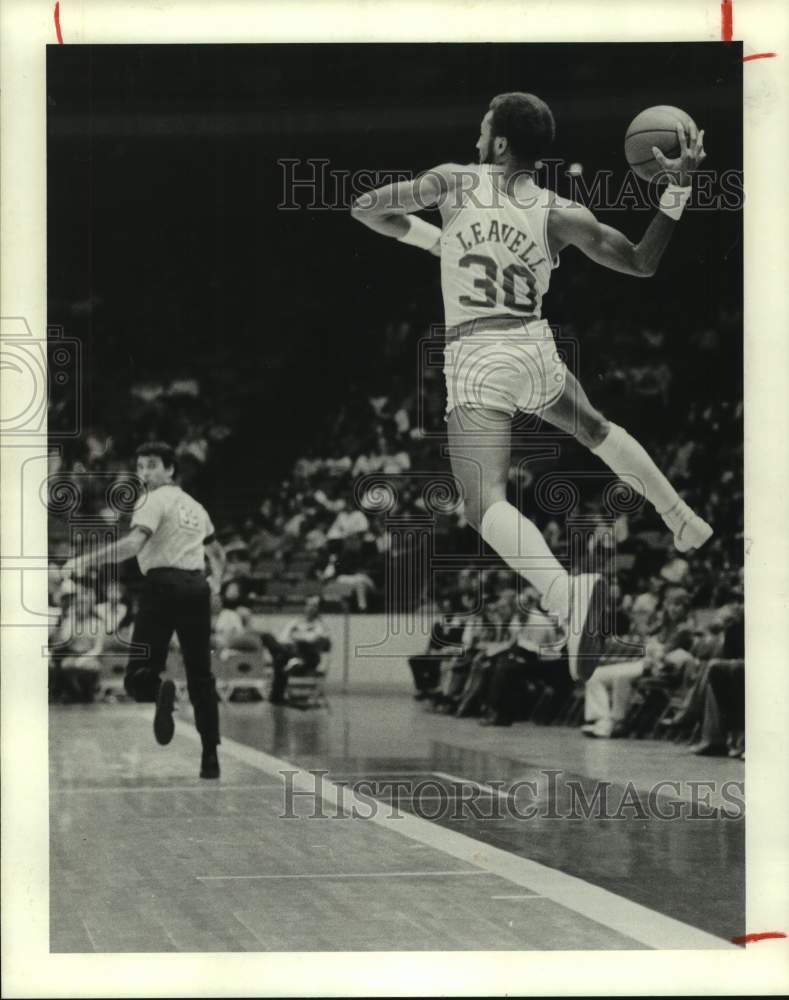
{"points": [[672, 201], [420, 233]]}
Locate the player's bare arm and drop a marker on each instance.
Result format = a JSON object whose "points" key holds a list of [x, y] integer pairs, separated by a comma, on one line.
{"points": [[575, 225], [126, 548], [389, 210]]}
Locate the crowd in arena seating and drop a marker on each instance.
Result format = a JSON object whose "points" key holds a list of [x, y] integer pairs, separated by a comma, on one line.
{"points": [[321, 532], [668, 671]]}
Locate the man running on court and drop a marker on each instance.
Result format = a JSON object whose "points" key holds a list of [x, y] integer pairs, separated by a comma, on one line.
{"points": [[171, 535]]}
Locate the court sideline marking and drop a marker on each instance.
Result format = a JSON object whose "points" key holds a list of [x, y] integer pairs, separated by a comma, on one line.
{"points": [[148, 789], [498, 792], [634, 921], [342, 875]]}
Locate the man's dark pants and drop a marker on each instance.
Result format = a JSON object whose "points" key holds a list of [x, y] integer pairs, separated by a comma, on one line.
{"points": [[517, 682], [724, 702], [176, 600], [280, 653], [427, 672]]}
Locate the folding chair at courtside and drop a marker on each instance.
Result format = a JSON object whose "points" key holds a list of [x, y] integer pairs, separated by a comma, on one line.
{"points": [[307, 690], [241, 675]]}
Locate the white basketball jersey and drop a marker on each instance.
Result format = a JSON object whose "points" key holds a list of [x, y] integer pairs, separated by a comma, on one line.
{"points": [[494, 253]]}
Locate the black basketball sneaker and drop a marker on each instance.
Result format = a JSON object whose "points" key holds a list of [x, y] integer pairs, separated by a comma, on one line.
{"points": [[163, 724]]}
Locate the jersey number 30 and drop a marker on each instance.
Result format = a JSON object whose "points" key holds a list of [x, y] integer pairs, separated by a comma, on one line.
{"points": [[489, 284]]}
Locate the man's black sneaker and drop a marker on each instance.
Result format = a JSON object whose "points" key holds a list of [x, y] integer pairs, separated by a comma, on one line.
{"points": [[163, 724], [209, 765]]}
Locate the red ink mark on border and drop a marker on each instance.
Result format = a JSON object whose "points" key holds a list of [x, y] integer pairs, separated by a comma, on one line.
{"points": [[726, 20], [760, 55], [57, 23], [747, 938]]}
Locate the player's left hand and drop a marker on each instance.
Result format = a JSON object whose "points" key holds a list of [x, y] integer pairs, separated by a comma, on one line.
{"points": [[691, 154]]}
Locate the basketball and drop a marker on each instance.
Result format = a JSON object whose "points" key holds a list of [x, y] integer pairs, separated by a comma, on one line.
{"points": [[654, 127]]}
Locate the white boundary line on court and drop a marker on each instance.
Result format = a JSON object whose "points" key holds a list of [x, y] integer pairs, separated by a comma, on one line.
{"points": [[634, 921], [147, 789], [498, 792], [532, 895], [405, 772], [343, 875]]}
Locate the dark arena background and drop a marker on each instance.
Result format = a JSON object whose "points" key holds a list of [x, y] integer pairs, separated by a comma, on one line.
{"points": [[211, 290]]}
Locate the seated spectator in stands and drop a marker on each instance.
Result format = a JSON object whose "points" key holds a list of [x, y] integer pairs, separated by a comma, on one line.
{"points": [[339, 466], [469, 590], [115, 608], [329, 499], [723, 723], [717, 699], [676, 569], [298, 648], [648, 601], [707, 646], [445, 639], [347, 578], [502, 627], [402, 416], [382, 459], [75, 645], [478, 628], [238, 564], [232, 631], [453, 671], [532, 671], [392, 462], [307, 466], [114, 612], [193, 448], [296, 517], [55, 581], [348, 523], [667, 648], [316, 531], [266, 543]]}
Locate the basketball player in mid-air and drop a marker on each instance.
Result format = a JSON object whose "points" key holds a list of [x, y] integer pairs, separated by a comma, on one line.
{"points": [[501, 236]]}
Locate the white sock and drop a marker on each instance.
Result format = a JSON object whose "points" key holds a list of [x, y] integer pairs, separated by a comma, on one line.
{"points": [[520, 544], [625, 456]]}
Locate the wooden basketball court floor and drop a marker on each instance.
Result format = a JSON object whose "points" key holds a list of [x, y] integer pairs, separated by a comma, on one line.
{"points": [[146, 857]]}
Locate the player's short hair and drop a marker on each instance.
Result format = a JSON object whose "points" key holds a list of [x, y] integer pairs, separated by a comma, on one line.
{"points": [[525, 122], [158, 449]]}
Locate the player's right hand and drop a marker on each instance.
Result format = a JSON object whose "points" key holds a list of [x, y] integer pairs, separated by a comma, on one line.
{"points": [[691, 154], [436, 249]]}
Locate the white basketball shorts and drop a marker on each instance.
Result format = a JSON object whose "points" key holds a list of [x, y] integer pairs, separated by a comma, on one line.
{"points": [[517, 368]]}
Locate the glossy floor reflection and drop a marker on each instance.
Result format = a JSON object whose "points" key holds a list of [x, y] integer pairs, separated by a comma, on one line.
{"points": [[666, 830]]}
